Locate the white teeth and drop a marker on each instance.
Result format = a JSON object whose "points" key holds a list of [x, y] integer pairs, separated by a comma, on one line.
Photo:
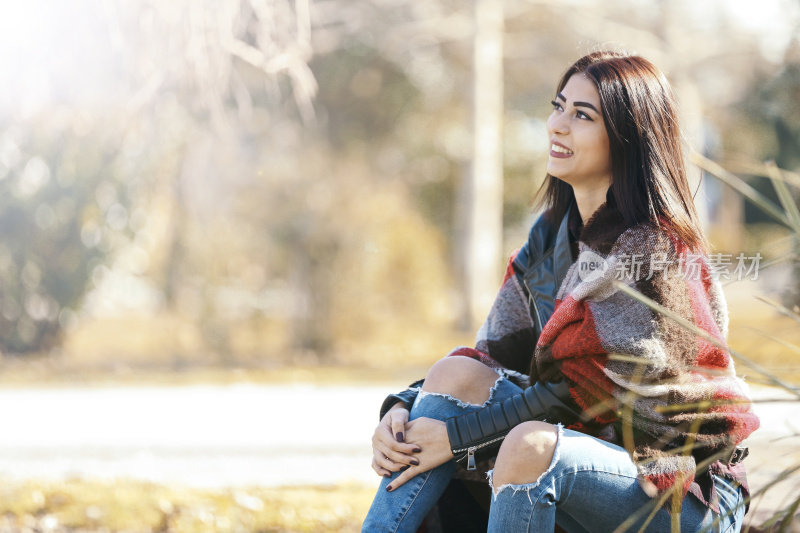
{"points": [[560, 149]]}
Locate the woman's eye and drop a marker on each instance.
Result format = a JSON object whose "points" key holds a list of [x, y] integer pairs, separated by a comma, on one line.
{"points": [[582, 115], [556, 105]]}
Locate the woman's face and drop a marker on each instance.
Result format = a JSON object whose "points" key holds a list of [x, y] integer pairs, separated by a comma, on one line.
{"points": [[579, 148]]}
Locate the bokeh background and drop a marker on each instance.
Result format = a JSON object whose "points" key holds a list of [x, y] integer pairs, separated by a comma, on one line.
{"points": [[229, 227]]}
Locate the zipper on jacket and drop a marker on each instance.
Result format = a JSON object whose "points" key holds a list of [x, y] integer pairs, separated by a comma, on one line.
{"points": [[472, 449], [532, 302]]}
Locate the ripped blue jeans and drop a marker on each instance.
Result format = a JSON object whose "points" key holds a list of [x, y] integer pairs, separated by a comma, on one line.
{"points": [[404, 509], [592, 485]]}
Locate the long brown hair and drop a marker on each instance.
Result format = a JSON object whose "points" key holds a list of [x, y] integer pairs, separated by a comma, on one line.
{"points": [[648, 172]]}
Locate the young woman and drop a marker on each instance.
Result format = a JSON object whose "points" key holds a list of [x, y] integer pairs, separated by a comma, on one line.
{"points": [[653, 410]]}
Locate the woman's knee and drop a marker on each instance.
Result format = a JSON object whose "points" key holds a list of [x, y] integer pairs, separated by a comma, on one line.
{"points": [[461, 377], [526, 453]]}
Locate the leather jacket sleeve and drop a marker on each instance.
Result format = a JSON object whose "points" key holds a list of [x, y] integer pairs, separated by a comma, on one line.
{"points": [[484, 430], [407, 397]]}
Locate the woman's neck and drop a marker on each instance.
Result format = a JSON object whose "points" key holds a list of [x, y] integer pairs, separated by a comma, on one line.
{"points": [[589, 200]]}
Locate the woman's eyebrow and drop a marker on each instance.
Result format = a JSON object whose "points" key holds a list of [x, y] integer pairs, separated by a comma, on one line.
{"points": [[560, 96], [586, 104]]}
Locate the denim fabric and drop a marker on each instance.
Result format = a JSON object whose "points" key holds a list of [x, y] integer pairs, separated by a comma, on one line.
{"points": [[404, 509], [591, 486]]}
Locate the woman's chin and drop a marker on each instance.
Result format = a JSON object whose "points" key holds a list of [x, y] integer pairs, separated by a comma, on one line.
{"points": [[557, 168], [557, 174]]}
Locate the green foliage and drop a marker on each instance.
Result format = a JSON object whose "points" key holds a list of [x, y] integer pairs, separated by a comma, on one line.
{"points": [[361, 97], [60, 212], [774, 103]]}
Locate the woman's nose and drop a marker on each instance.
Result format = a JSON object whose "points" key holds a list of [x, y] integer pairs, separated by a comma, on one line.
{"points": [[558, 123]]}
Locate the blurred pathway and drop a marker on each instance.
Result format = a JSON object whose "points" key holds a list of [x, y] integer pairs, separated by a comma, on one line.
{"points": [[206, 436], [216, 436]]}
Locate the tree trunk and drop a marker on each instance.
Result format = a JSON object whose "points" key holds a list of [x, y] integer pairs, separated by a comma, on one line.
{"points": [[484, 212]]}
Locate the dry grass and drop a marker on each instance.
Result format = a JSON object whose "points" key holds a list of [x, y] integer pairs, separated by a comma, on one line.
{"points": [[131, 506], [762, 334]]}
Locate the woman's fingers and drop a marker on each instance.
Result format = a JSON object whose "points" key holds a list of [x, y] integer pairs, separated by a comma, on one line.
{"points": [[397, 421], [387, 464], [385, 437], [432, 435], [407, 474], [396, 452], [389, 455], [381, 471]]}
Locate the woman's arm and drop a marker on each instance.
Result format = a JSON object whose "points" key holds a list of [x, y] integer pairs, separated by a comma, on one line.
{"points": [[484, 430]]}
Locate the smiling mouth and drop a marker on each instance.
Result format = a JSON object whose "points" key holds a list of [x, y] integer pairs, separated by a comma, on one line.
{"points": [[560, 149]]}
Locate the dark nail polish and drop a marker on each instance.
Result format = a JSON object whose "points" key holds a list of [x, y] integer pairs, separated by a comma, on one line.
{"points": [[414, 462], [399, 436], [389, 488], [417, 449]]}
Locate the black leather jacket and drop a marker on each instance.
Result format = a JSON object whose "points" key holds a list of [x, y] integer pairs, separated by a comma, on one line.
{"points": [[541, 265]]}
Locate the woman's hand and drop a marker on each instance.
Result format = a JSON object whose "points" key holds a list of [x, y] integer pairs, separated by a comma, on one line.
{"points": [[431, 436], [390, 452]]}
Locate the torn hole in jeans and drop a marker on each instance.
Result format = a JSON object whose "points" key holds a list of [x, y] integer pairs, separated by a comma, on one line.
{"points": [[501, 375], [527, 487]]}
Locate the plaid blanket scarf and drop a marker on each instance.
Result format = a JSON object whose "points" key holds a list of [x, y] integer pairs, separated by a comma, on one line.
{"points": [[669, 396]]}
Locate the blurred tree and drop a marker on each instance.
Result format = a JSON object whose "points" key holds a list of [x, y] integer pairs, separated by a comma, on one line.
{"points": [[191, 78], [772, 108], [211, 76], [247, 211], [775, 102], [63, 210], [484, 184]]}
